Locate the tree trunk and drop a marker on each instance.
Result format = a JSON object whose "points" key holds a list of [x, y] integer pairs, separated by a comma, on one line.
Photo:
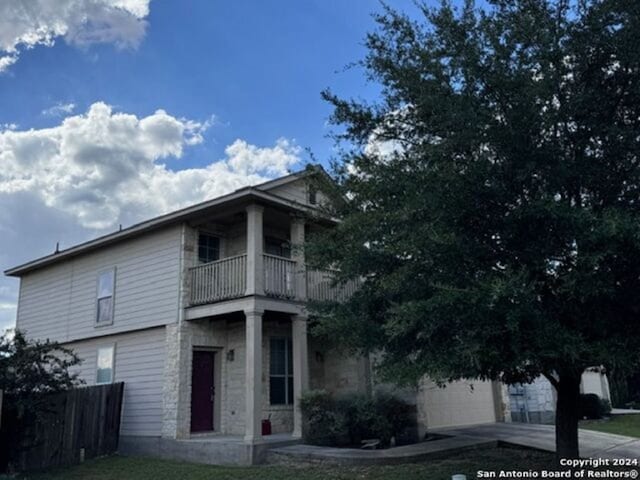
{"points": [[567, 406]]}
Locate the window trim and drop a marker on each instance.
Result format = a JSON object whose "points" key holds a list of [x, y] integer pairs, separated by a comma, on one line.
{"points": [[111, 346], [283, 244], [97, 322], [288, 343], [209, 234], [312, 195]]}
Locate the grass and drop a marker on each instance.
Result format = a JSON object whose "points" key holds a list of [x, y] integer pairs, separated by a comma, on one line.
{"points": [[129, 468], [628, 425]]}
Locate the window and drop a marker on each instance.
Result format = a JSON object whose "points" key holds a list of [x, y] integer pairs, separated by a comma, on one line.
{"points": [[208, 248], [280, 372], [278, 247], [313, 197], [104, 371], [106, 287]]}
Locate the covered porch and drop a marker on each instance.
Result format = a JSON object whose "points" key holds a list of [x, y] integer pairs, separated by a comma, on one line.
{"points": [[241, 368]]}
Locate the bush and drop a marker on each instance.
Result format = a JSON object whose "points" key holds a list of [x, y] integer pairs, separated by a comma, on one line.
{"points": [[364, 420], [323, 424], [401, 415], [350, 419], [593, 407]]}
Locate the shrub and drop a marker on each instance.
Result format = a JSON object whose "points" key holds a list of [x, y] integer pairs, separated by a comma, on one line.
{"points": [[364, 419], [29, 369], [323, 424], [401, 416], [593, 407], [350, 419]]}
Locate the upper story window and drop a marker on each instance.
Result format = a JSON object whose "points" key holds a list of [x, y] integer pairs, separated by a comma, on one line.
{"points": [[313, 195], [280, 371], [208, 248], [105, 294], [276, 246], [104, 367]]}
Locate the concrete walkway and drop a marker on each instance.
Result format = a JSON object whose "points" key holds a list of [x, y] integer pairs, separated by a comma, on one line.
{"points": [[592, 444], [624, 411], [417, 452]]}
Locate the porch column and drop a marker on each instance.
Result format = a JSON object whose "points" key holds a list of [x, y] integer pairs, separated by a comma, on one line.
{"points": [[255, 260], [297, 254], [253, 376], [300, 368]]}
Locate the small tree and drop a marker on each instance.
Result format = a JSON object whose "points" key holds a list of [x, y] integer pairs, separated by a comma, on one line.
{"points": [[491, 197], [30, 369]]}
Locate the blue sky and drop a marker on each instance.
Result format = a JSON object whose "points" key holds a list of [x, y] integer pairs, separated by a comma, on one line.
{"points": [[258, 67], [114, 111]]}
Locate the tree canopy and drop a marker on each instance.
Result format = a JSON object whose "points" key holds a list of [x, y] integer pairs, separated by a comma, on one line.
{"points": [[489, 198]]}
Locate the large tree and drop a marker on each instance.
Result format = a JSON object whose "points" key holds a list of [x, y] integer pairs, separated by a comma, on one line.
{"points": [[490, 197]]}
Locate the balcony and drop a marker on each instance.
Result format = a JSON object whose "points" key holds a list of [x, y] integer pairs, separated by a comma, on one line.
{"points": [[320, 287], [227, 279], [220, 280], [280, 277]]}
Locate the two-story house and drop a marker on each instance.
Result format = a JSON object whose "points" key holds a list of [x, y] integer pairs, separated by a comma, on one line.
{"points": [[201, 312]]}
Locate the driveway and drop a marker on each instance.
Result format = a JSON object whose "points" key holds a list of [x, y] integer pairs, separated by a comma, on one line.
{"points": [[592, 444]]}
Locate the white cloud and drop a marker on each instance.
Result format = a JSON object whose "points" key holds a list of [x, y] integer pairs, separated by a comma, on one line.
{"points": [[247, 159], [386, 140], [83, 177], [26, 24], [59, 110], [95, 164]]}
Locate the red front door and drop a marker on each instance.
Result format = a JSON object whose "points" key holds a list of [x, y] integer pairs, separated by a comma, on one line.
{"points": [[202, 391]]}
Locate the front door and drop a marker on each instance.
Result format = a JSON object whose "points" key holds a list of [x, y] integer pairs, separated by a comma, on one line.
{"points": [[202, 391]]}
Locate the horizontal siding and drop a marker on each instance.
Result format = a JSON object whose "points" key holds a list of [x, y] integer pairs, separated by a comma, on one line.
{"points": [[139, 363], [296, 191], [59, 301]]}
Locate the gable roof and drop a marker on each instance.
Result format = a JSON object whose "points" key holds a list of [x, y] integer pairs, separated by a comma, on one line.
{"points": [[258, 192]]}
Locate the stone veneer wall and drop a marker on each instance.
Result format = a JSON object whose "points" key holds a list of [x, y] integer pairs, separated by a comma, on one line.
{"points": [[181, 340], [345, 374], [171, 385], [316, 364]]}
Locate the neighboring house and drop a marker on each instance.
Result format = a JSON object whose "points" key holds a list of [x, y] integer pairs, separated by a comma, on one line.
{"points": [[536, 402], [201, 312]]}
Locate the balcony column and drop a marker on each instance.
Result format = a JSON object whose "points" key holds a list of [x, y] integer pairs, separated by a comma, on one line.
{"points": [[253, 377], [297, 254], [255, 259], [300, 368]]}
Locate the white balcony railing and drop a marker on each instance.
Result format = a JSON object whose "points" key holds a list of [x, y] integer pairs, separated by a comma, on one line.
{"points": [[227, 278], [279, 277], [219, 280], [321, 287]]}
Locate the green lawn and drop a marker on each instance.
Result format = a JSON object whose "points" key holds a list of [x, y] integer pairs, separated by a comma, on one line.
{"points": [[130, 468], [620, 424]]}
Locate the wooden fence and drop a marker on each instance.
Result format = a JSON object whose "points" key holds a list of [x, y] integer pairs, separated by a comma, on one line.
{"points": [[73, 425]]}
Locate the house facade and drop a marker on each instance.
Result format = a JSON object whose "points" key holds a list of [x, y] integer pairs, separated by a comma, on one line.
{"points": [[201, 312]]}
